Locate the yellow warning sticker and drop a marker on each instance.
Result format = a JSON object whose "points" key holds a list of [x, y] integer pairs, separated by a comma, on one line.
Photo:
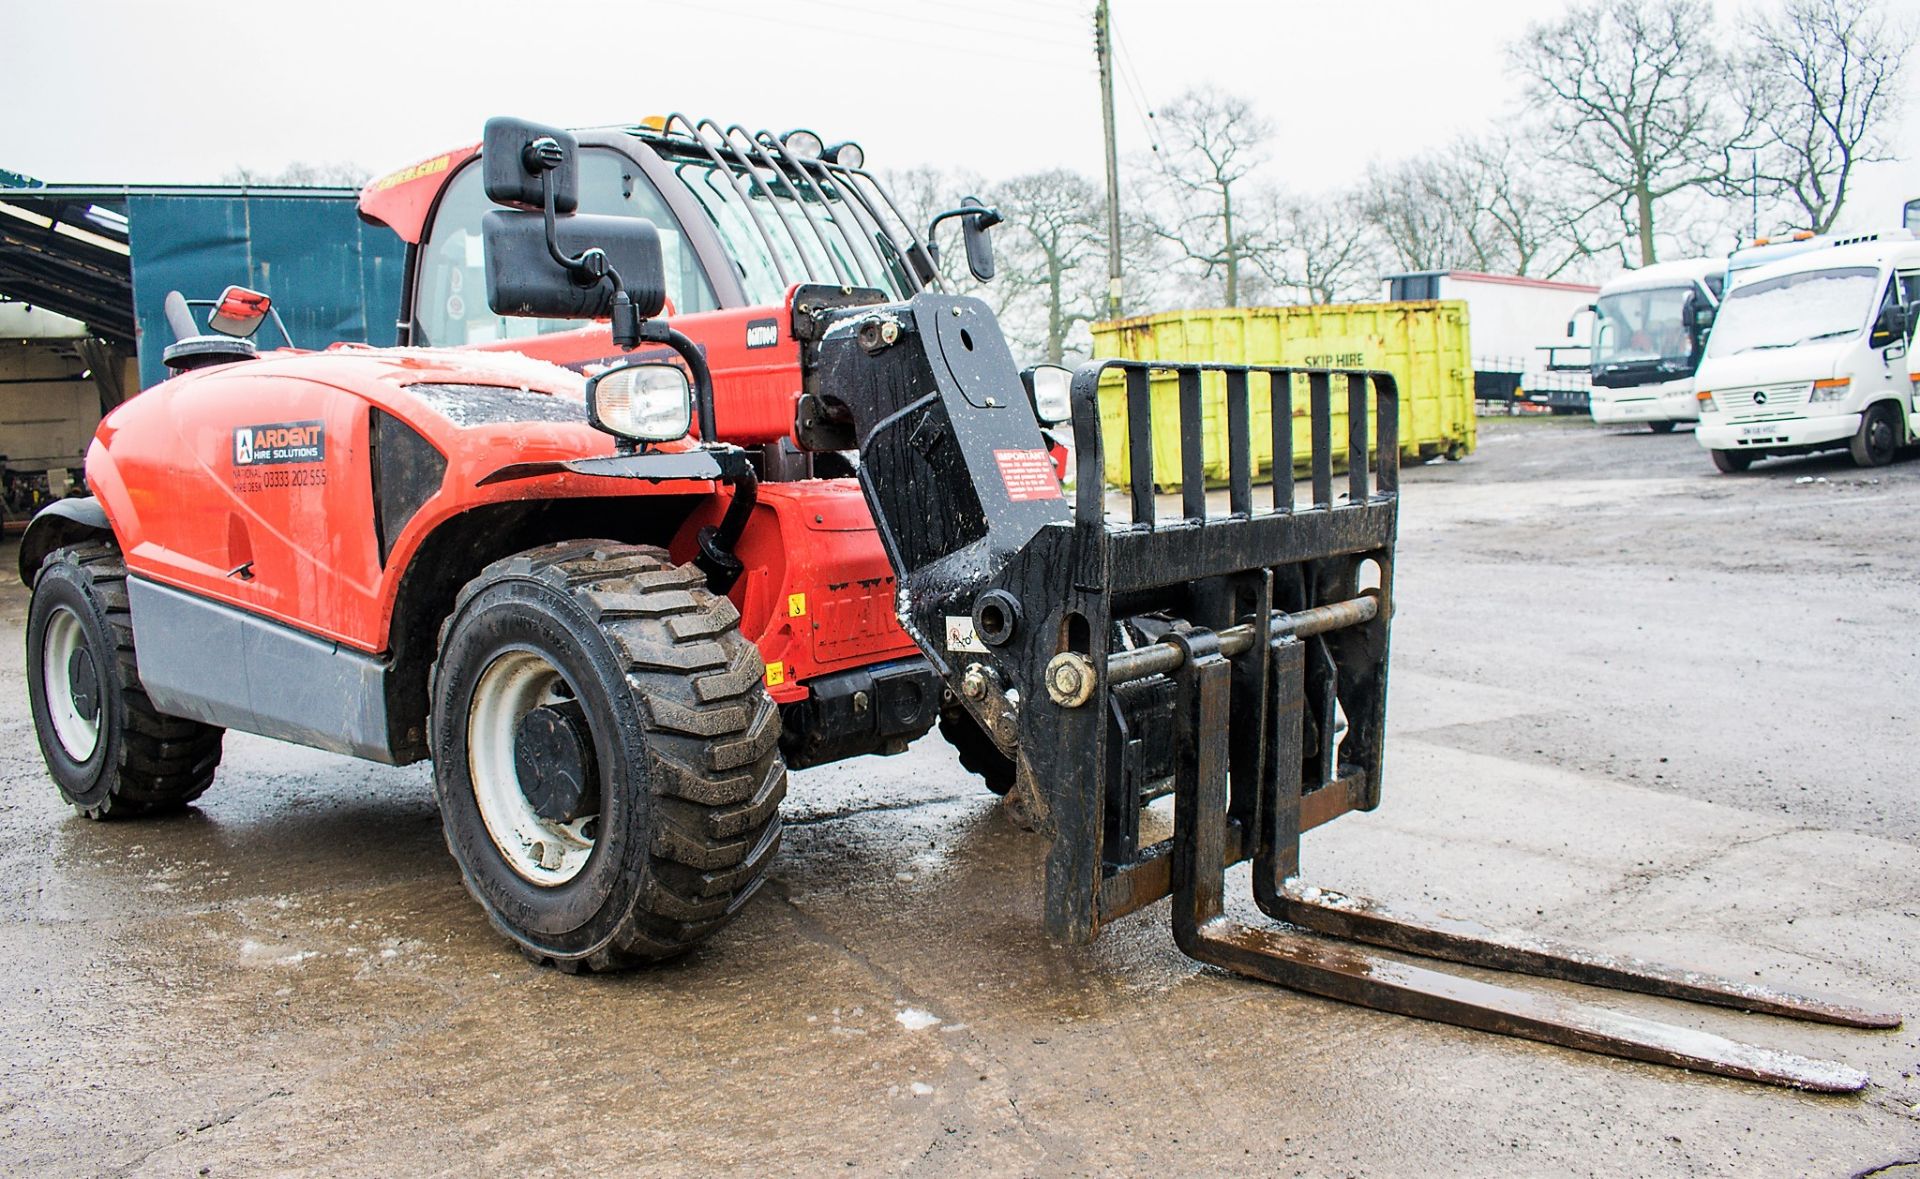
{"points": [[796, 605], [776, 673]]}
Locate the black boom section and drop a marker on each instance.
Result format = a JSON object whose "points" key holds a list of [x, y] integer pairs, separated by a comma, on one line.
{"points": [[951, 456], [1062, 630]]}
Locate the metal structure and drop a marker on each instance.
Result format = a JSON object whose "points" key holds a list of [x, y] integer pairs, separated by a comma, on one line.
{"points": [[806, 242]]}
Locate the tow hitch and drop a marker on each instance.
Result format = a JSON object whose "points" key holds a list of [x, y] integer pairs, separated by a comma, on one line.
{"points": [[1257, 637]]}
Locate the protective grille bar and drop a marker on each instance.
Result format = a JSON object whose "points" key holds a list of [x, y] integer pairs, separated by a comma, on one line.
{"points": [[841, 224], [1372, 442]]}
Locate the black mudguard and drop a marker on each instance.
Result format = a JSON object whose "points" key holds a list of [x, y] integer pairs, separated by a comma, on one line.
{"points": [[57, 525]]}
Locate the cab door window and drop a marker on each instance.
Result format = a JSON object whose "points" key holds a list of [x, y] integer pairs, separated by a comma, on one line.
{"points": [[450, 294], [1909, 288]]}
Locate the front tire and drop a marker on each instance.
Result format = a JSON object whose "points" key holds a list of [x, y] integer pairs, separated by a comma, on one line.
{"points": [[111, 753], [1732, 462], [977, 751], [1878, 439], [605, 754]]}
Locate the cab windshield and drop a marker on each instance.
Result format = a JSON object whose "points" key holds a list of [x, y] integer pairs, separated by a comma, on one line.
{"points": [[1795, 309], [1644, 328], [779, 231]]}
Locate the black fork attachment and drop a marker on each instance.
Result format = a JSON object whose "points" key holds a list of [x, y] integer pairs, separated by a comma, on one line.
{"points": [[1235, 654]]}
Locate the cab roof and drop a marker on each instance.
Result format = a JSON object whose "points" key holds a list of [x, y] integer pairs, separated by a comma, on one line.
{"points": [[402, 200], [1665, 274], [1901, 254]]}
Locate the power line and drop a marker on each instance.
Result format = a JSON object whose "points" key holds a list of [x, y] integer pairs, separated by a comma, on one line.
{"points": [[707, 8], [895, 16], [1130, 74]]}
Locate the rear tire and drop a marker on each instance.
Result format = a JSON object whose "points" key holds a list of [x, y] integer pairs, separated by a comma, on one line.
{"points": [[1660, 427], [1878, 439], [977, 751], [605, 753], [111, 753], [1732, 462]]}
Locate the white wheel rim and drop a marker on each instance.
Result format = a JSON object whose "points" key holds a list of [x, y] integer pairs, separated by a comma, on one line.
{"points": [[539, 850], [64, 638]]}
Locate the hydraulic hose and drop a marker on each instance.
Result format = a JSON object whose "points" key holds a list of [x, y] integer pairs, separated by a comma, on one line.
{"points": [[716, 558]]}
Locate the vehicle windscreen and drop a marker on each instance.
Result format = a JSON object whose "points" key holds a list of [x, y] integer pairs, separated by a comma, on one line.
{"points": [[1795, 309], [1644, 328], [781, 228]]}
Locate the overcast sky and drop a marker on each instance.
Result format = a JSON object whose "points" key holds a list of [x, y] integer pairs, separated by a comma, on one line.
{"points": [[118, 91]]}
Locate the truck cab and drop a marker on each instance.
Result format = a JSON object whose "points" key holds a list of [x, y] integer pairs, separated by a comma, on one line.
{"points": [[1648, 336], [1811, 353]]}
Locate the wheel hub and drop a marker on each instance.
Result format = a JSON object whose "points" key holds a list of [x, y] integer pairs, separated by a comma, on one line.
{"points": [[83, 682], [553, 759]]}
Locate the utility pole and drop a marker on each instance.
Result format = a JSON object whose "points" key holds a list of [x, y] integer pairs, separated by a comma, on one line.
{"points": [[1103, 49]]}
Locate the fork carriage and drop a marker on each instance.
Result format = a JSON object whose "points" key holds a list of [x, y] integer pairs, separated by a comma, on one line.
{"points": [[1236, 659]]}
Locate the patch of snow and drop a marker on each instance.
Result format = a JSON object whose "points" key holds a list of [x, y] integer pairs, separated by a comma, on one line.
{"points": [[915, 1020]]}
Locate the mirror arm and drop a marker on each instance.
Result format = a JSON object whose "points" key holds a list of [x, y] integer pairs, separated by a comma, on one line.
{"points": [[988, 215], [590, 266], [659, 331]]}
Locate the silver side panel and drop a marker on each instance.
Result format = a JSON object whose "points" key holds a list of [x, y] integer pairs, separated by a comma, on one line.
{"points": [[221, 665]]}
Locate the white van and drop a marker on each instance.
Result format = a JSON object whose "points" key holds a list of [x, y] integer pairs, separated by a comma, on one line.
{"points": [[1647, 337], [1810, 353]]}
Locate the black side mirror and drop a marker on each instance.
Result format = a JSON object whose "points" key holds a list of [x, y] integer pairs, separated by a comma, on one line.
{"points": [[1890, 327], [974, 229], [525, 279], [548, 262], [1573, 324], [519, 159], [1703, 318], [976, 218]]}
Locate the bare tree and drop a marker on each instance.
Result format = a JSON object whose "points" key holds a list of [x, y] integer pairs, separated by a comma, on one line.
{"points": [[1213, 143], [1828, 72], [1638, 100], [1053, 239], [1416, 207], [1485, 204], [1528, 222], [1330, 251], [302, 174]]}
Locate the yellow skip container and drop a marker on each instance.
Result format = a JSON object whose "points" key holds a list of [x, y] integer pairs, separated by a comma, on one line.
{"points": [[1424, 345]]}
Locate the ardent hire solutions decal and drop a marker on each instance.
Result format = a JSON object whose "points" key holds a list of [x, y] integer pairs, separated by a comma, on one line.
{"points": [[300, 445]]}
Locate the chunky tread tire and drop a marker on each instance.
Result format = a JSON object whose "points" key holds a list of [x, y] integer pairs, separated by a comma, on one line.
{"points": [[682, 853], [977, 751], [145, 761]]}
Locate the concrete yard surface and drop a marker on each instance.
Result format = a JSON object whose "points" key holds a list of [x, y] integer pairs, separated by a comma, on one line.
{"points": [[1634, 703]]}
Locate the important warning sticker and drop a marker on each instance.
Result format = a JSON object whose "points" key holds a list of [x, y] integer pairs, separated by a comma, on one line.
{"points": [[1027, 474]]}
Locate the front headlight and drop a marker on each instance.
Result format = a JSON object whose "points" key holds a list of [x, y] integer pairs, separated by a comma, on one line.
{"points": [[651, 401], [1705, 400], [1830, 390], [1050, 386]]}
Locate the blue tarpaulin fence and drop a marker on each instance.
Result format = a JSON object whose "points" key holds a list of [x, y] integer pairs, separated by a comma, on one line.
{"points": [[331, 276]]}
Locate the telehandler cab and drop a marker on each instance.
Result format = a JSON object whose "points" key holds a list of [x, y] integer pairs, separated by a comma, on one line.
{"points": [[801, 506]]}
